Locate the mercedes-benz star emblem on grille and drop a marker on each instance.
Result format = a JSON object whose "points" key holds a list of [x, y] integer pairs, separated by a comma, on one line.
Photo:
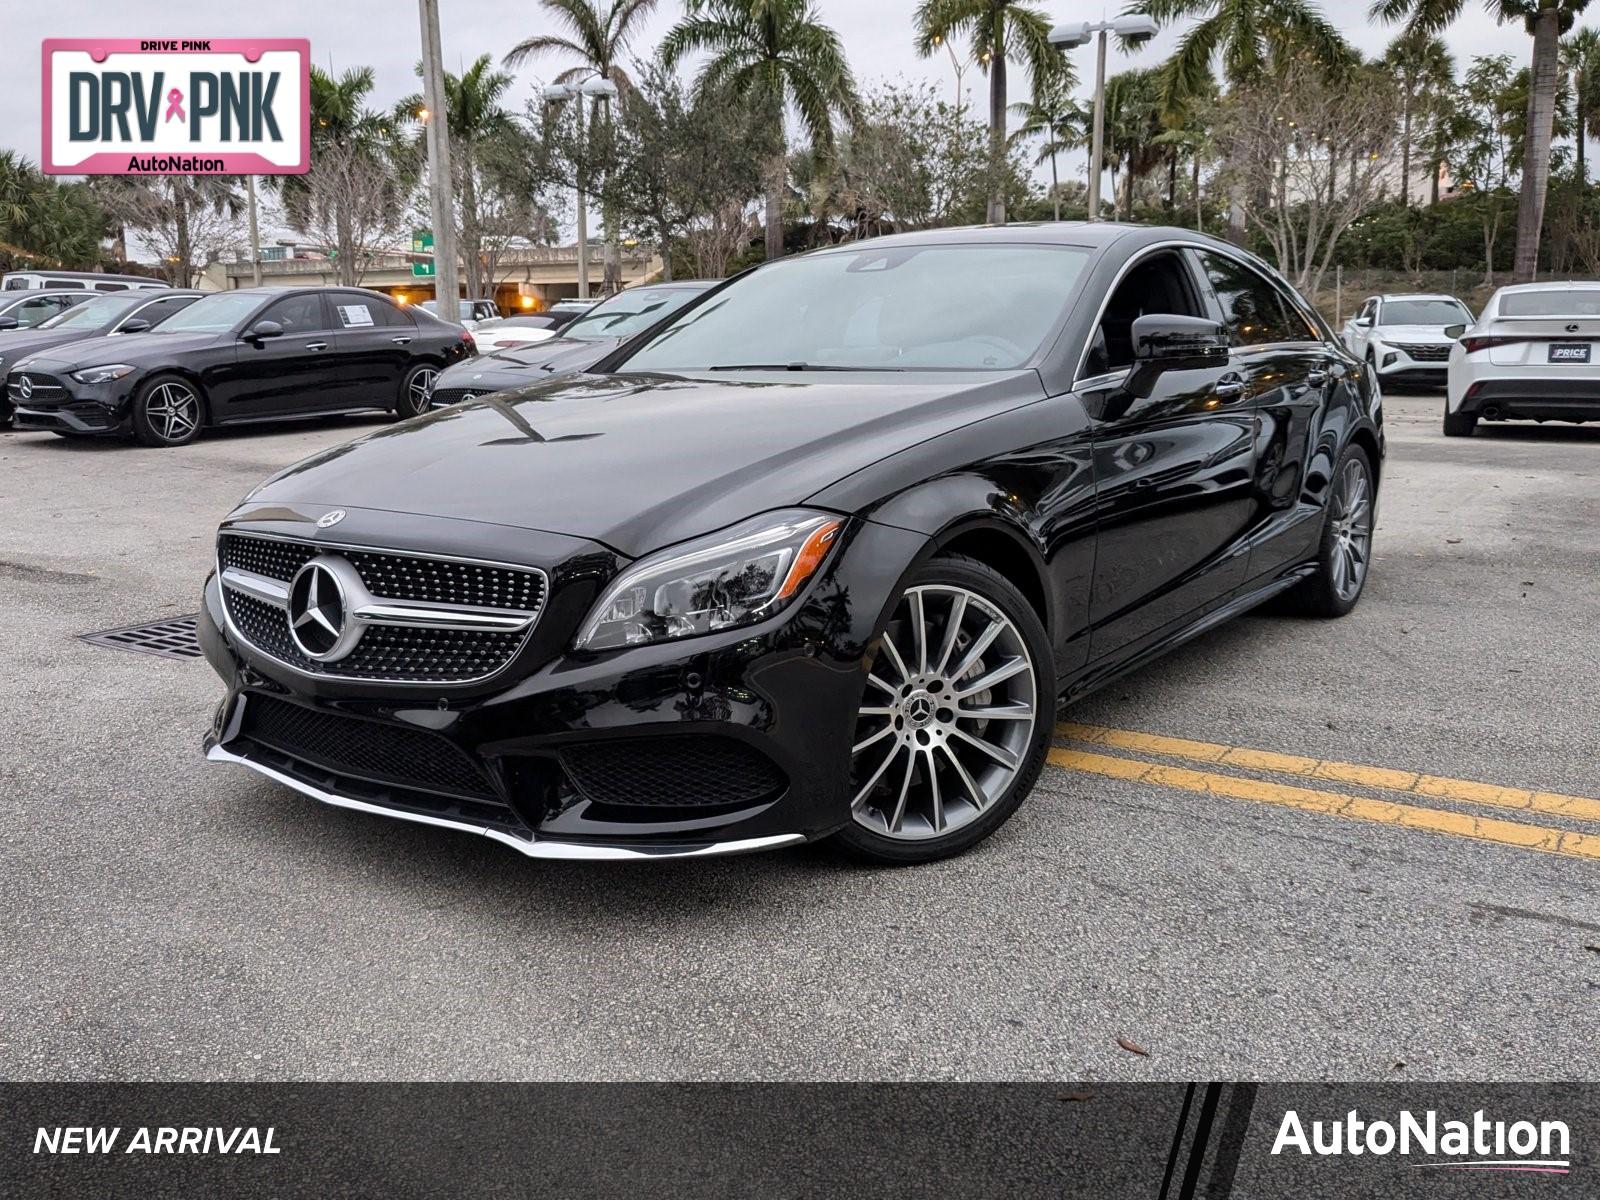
{"points": [[328, 520], [25, 387], [319, 617]]}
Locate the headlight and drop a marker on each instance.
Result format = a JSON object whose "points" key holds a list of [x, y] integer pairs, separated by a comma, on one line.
{"points": [[736, 577], [102, 374]]}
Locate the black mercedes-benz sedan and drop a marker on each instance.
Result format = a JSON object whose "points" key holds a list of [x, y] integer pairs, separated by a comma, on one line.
{"points": [[818, 557], [111, 315], [249, 355], [576, 348]]}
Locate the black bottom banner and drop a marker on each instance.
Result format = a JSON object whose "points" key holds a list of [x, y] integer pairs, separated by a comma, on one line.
{"points": [[1163, 1141]]}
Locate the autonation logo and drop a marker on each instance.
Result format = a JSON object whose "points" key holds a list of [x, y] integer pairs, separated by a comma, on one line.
{"points": [[1480, 1144]]}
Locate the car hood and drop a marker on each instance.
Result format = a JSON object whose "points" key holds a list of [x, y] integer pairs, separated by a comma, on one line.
{"points": [[638, 462], [1410, 333], [24, 345], [136, 349], [526, 364]]}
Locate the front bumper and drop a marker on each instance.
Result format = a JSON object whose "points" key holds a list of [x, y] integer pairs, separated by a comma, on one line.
{"points": [[73, 407], [734, 742]]}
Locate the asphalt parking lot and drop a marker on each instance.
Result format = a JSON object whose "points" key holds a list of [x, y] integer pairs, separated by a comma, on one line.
{"points": [[1365, 849]]}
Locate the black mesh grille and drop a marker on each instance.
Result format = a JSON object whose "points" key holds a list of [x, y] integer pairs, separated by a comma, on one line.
{"points": [[385, 652], [673, 772], [371, 750], [443, 396], [1426, 353], [394, 576], [44, 387]]}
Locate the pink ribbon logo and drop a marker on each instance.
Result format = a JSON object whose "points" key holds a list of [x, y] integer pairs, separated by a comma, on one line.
{"points": [[175, 105]]}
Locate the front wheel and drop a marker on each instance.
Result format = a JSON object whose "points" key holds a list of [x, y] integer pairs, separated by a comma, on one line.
{"points": [[168, 411], [956, 716], [413, 400]]}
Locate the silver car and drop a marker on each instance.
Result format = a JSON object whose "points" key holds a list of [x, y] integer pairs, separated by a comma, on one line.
{"points": [[1402, 337]]}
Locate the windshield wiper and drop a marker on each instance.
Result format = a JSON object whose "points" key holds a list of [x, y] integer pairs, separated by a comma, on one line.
{"points": [[794, 366]]}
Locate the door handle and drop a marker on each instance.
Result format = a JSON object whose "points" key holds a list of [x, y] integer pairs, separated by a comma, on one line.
{"points": [[1228, 388], [401, 341], [316, 345]]}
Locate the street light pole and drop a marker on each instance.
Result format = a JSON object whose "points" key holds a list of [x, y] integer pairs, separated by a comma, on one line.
{"points": [[1097, 156], [1136, 27], [255, 235], [447, 288], [600, 88]]}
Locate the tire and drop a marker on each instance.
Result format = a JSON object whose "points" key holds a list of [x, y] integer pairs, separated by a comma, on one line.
{"points": [[168, 411], [1345, 545], [1459, 424], [922, 785], [413, 398]]}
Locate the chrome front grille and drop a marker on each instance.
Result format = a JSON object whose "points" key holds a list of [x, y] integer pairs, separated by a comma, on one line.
{"points": [[1425, 353], [421, 619]]}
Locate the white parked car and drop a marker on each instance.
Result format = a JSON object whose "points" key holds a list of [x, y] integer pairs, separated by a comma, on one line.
{"points": [[510, 333], [1534, 355], [1403, 338]]}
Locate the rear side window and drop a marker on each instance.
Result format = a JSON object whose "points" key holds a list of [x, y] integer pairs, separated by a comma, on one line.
{"points": [[110, 287], [1254, 310], [63, 283]]}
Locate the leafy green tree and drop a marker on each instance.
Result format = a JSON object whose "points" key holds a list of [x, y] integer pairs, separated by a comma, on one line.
{"points": [[1546, 22], [997, 29], [766, 55], [45, 222], [1133, 123], [1061, 124]]}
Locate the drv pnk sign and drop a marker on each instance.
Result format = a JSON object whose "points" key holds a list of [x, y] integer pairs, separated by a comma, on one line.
{"points": [[215, 106]]}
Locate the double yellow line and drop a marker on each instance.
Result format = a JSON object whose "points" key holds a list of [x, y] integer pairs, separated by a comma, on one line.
{"points": [[1360, 808]]}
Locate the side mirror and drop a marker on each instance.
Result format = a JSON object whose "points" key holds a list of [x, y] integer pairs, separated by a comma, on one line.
{"points": [[262, 330], [1454, 332], [137, 325], [1363, 322], [9, 323], [1176, 343]]}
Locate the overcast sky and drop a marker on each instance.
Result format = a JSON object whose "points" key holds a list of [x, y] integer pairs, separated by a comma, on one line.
{"points": [[385, 34]]}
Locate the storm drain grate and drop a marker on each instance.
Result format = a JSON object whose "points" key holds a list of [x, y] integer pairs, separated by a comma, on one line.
{"points": [[173, 638]]}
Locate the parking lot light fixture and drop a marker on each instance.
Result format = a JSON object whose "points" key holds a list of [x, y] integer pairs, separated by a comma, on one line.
{"points": [[1133, 27], [596, 87]]}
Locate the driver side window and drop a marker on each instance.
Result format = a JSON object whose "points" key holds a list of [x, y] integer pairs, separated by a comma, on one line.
{"points": [[298, 314], [1161, 284]]}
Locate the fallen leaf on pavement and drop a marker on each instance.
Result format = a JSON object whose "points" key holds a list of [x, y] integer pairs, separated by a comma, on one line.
{"points": [[1133, 1047]]}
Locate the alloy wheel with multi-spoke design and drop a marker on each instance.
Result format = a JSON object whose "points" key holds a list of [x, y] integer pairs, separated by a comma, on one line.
{"points": [[1352, 530], [172, 411], [948, 718], [417, 388]]}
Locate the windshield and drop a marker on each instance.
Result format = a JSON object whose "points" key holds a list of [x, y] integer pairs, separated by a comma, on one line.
{"points": [[981, 307], [212, 314], [95, 314], [1564, 302], [1424, 312], [626, 313]]}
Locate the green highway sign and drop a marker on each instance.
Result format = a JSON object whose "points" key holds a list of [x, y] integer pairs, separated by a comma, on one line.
{"points": [[422, 243]]}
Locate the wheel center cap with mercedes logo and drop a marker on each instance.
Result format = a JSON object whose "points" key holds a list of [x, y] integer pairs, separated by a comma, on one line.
{"points": [[320, 620]]}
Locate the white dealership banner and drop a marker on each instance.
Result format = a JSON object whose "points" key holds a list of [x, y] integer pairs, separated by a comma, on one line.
{"points": [[214, 106]]}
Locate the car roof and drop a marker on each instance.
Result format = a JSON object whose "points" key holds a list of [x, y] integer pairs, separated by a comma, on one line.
{"points": [[1087, 234], [1566, 285], [267, 291], [1418, 296]]}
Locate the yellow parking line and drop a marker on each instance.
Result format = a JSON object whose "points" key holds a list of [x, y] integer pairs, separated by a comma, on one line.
{"points": [[1461, 791], [1383, 812]]}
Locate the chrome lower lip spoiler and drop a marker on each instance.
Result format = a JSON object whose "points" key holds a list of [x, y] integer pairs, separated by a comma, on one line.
{"points": [[570, 851]]}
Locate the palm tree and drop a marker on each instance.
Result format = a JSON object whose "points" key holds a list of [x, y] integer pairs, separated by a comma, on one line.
{"points": [[1422, 66], [1546, 21], [1061, 121], [995, 27], [1247, 38], [475, 117], [596, 35], [767, 55], [1133, 123], [1581, 55]]}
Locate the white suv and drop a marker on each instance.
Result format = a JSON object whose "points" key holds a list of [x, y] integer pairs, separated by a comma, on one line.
{"points": [[1403, 337], [1531, 356]]}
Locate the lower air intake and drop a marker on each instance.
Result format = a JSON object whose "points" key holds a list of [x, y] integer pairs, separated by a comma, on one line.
{"points": [[673, 772]]}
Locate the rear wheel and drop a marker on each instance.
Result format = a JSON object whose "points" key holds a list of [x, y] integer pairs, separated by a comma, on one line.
{"points": [[956, 718], [168, 411], [413, 399], [1459, 424], [1345, 551]]}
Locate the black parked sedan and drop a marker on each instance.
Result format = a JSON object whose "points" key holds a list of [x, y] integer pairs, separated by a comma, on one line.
{"points": [[101, 316], [818, 557], [250, 355], [578, 347]]}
